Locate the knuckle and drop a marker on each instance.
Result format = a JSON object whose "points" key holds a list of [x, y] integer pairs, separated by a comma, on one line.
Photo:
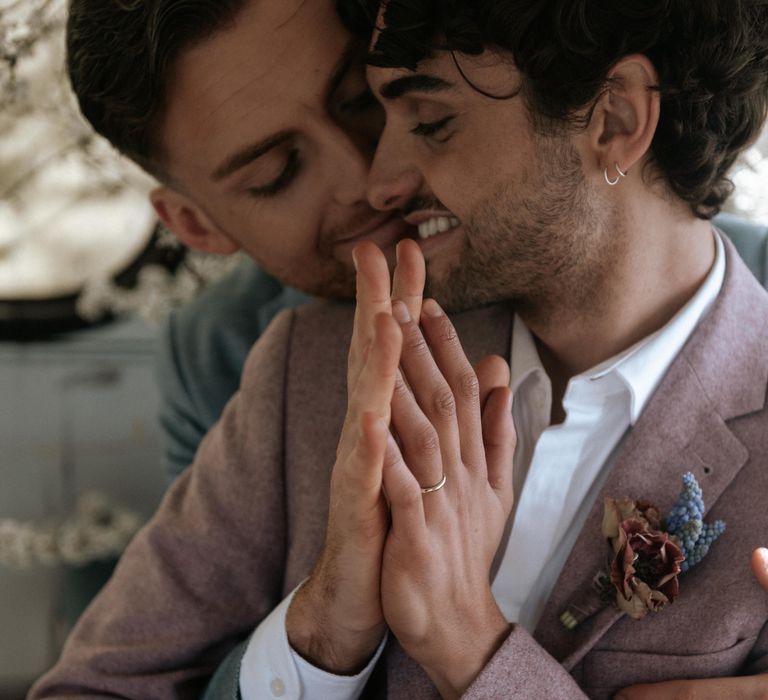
{"points": [[446, 331], [443, 403], [414, 343], [411, 497], [401, 388], [469, 386], [426, 441], [391, 456]]}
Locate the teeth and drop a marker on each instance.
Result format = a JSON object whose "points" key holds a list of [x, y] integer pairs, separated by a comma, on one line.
{"points": [[437, 224]]}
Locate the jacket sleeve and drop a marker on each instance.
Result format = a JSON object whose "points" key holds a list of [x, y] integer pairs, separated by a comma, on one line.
{"points": [[206, 569], [522, 668], [182, 424]]}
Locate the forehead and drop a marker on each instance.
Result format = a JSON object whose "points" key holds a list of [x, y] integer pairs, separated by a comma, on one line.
{"points": [[271, 64], [447, 74]]}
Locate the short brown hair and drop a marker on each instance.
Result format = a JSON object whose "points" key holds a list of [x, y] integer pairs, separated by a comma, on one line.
{"points": [[119, 53]]}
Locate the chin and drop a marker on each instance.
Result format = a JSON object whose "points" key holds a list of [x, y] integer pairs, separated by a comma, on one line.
{"points": [[335, 288]]}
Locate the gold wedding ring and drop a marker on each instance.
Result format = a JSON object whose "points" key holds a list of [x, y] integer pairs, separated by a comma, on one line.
{"points": [[434, 487]]}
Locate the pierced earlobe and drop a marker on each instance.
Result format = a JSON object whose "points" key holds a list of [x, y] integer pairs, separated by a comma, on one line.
{"points": [[620, 175]]}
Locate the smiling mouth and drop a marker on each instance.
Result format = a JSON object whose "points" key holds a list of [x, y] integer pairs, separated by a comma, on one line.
{"points": [[437, 224]]}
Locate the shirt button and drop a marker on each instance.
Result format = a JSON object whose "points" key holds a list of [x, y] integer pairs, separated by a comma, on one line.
{"points": [[277, 687]]}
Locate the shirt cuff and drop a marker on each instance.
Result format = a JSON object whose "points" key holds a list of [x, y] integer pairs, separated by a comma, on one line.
{"points": [[272, 669]]}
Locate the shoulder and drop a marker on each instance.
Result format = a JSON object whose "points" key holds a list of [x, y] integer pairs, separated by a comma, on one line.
{"points": [[231, 314], [310, 343], [205, 343]]}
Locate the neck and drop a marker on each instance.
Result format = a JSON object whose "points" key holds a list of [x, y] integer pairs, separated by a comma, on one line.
{"points": [[663, 263]]}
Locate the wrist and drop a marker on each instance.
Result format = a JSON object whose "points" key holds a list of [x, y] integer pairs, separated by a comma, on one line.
{"points": [[325, 639], [456, 672]]}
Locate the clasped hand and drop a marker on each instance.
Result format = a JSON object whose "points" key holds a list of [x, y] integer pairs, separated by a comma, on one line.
{"points": [[395, 556], [416, 562]]}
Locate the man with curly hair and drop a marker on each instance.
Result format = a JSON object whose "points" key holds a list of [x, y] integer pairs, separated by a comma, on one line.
{"points": [[561, 160]]}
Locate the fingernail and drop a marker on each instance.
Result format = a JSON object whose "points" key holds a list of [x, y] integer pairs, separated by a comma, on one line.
{"points": [[400, 312], [432, 308], [354, 258], [763, 554]]}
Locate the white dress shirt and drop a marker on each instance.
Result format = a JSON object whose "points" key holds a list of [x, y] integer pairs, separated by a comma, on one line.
{"points": [[559, 471]]}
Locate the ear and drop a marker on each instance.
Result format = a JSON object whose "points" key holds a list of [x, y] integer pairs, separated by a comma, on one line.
{"points": [[189, 223], [625, 118]]}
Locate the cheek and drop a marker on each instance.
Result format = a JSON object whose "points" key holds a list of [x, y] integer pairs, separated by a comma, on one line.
{"points": [[456, 183], [287, 221]]}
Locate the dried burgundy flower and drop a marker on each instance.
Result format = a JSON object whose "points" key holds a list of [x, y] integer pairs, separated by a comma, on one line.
{"points": [[645, 566]]}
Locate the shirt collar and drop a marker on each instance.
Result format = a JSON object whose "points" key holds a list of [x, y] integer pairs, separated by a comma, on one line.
{"points": [[642, 366], [525, 360]]}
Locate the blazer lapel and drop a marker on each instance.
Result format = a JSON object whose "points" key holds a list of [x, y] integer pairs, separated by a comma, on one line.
{"points": [[683, 428]]}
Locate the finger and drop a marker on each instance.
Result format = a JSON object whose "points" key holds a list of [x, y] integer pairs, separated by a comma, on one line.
{"points": [[460, 376], [760, 566], [410, 273], [430, 389], [500, 439], [492, 372], [403, 494], [373, 297], [376, 383], [365, 474], [420, 445]]}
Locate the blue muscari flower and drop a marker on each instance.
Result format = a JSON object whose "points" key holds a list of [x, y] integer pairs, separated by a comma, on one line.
{"points": [[689, 504], [685, 521]]}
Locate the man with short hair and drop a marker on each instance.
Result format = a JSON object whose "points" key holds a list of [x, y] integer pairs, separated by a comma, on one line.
{"points": [[565, 198]]}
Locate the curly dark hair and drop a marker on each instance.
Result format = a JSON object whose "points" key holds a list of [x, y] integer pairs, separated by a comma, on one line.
{"points": [[119, 53], [711, 57]]}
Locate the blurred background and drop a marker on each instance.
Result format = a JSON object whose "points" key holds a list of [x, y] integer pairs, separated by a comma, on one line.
{"points": [[86, 277]]}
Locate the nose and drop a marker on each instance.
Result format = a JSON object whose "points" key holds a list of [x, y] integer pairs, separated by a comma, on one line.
{"points": [[348, 164], [393, 179]]}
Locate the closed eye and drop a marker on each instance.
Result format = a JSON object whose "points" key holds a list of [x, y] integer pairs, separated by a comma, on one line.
{"points": [[281, 181], [429, 129]]}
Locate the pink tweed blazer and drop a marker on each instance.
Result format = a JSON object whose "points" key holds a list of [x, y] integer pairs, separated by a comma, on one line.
{"points": [[243, 526]]}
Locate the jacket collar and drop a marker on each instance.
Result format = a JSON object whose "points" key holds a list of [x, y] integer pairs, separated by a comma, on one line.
{"points": [[720, 374]]}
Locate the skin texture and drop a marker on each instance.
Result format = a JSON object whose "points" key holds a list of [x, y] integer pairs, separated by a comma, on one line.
{"points": [[348, 581], [286, 70], [438, 419], [344, 585], [600, 268]]}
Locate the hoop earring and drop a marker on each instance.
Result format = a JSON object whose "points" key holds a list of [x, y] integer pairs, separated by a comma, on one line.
{"points": [[620, 175]]}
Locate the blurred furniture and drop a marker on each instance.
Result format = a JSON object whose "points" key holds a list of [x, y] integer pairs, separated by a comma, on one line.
{"points": [[77, 414]]}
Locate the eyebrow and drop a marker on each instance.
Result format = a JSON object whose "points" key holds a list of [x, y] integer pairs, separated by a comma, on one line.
{"points": [[413, 83], [251, 152], [248, 155]]}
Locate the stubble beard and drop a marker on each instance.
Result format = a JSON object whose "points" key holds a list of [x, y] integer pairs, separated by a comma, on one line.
{"points": [[545, 247]]}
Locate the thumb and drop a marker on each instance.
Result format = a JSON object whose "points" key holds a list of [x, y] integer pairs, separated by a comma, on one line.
{"points": [[492, 372], [760, 566], [499, 440]]}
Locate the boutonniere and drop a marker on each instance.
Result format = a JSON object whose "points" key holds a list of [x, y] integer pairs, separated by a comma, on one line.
{"points": [[647, 553]]}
